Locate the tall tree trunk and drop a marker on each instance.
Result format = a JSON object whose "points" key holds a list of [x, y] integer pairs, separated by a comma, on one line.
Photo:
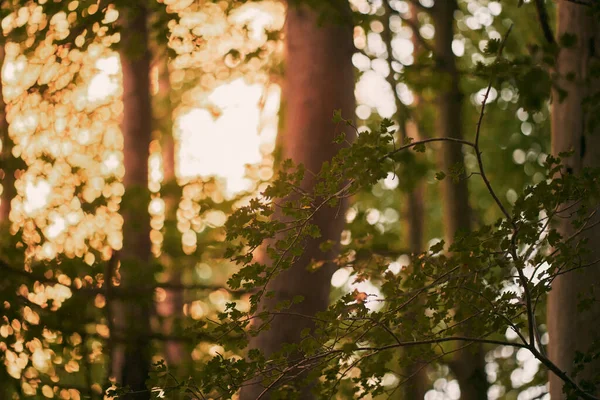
{"points": [[8, 178], [449, 120], [469, 364], [319, 79], [131, 355], [171, 307], [413, 213], [414, 217], [419, 384], [408, 128], [570, 329]]}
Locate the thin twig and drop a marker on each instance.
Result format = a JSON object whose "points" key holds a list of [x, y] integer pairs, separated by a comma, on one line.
{"points": [[544, 21]]}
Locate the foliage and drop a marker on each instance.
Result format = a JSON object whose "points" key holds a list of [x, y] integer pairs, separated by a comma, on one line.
{"points": [[490, 279]]}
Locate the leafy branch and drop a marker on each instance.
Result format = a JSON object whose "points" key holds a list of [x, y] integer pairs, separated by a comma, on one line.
{"points": [[338, 342]]}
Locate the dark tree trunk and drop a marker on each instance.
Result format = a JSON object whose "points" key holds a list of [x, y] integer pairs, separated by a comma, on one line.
{"points": [[319, 79], [469, 364], [171, 308], [131, 357], [419, 384], [8, 172], [413, 212], [570, 329], [449, 121]]}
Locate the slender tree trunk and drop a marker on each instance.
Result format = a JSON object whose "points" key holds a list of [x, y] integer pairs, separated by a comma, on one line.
{"points": [[8, 173], [414, 219], [413, 212], [319, 79], [449, 120], [171, 308], [469, 364], [570, 329], [408, 128], [418, 386], [131, 356]]}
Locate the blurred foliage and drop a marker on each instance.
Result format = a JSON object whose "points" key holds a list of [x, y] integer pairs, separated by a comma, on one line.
{"points": [[61, 84]]}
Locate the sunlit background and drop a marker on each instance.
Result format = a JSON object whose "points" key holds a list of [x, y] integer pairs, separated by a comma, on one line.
{"points": [[226, 122]]}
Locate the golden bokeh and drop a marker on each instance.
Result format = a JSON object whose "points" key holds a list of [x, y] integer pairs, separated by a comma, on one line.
{"points": [[64, 106]]}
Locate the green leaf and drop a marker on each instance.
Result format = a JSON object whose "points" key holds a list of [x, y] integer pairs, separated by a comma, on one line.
{"points": [[326, 245], [568, 40], [337, 116], [492, 47], [438, 247], [419, 147]]}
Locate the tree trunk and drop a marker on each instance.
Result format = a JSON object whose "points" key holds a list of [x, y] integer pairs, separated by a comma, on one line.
{"points": [[171, 308], [319, 79], [413, 212], [417, 386], [449, 121], [570, 329], [131, 356], [8, 173], [408, 128], [469, 364]]}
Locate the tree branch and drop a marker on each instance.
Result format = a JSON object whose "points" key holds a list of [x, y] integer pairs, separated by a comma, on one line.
{"points": [[544, 21], [581, 2]]}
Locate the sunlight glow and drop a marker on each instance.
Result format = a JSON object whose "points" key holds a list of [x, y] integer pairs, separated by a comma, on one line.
{"points": [[223, 146], [105, 84], [56, 228], [64, 106], [36, 196], [101, 87]]}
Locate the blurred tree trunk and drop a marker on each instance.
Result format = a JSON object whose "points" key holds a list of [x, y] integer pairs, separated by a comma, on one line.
{"points": [[8, 172], [407, 128], [319, 78], [449, 121], [570, 329], [131, 354], [413, 213], [414, 217], [171, 308], [469, 364]]}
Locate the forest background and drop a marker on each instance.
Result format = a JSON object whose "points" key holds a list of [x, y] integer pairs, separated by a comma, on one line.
{"points": [[441, 179]]}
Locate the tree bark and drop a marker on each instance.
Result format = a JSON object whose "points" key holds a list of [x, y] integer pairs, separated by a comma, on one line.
{"points": [[171, 308], [449, 121], [408, 128], [415, 207], [469, 364], [413, 212], [131, 360], [570, 329], [419, 384], [8, 173], [319, 79]]}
